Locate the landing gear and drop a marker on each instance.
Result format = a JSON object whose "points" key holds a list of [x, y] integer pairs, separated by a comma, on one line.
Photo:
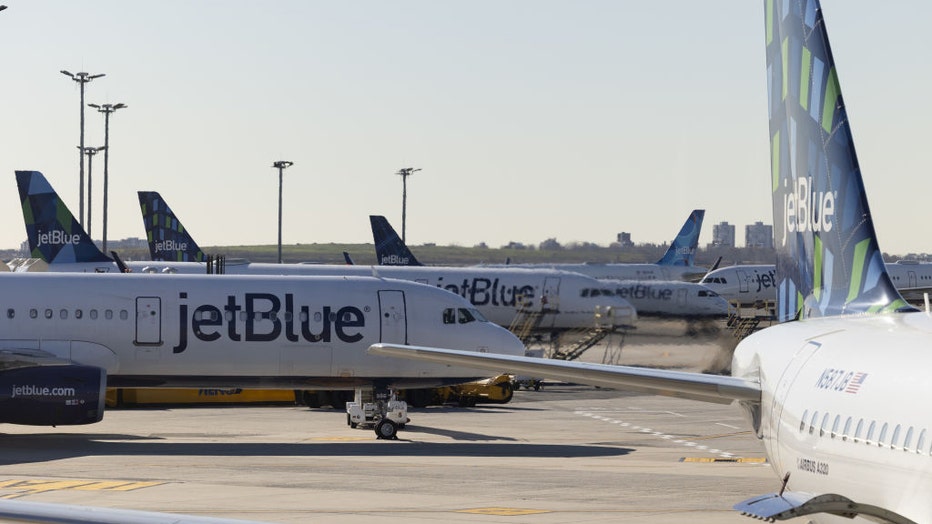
{"points": [[377, 408]]}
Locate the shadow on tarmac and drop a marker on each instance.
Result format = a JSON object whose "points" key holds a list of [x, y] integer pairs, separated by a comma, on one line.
{"points": [[21, 449]]}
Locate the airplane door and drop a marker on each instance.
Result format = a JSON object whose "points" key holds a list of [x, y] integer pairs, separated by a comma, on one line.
{"points": [[911, 275], [743, 281], [782, 390], [394, 321], [681, 297], [550, 295], [148, 320]]}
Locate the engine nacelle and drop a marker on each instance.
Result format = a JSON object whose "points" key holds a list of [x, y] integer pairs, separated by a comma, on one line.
{"points": [[52, 395]]}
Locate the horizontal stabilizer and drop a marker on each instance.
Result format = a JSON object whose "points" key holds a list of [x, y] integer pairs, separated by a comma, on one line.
{"points": [[696, 386], [789, 505]]}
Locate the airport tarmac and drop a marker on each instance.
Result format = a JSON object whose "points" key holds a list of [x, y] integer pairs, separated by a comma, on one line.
{"points": [[564, 454]]}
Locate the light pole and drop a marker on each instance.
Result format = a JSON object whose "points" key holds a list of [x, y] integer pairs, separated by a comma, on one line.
{"points": [[106, 109], [281, 165], [404, 173], [81, 78], [90, 152]]}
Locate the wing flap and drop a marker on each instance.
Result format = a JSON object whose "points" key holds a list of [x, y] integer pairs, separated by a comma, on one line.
{"points": [[695, 386]]}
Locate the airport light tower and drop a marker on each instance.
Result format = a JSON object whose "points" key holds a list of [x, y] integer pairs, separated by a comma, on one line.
{"points": [[82, 79], [404, 173], [106, 109], [281, 165], [90, 152]]}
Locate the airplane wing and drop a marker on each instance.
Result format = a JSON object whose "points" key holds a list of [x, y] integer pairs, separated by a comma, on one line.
{"points": [[22, 357], [21, 511], [696, 386]]}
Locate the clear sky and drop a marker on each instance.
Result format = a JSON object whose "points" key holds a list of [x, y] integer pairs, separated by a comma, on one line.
{"points": [[530, 119]]}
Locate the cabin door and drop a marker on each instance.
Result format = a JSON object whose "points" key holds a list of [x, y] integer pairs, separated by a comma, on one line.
{"points": [[394, 320], [148, 321]]}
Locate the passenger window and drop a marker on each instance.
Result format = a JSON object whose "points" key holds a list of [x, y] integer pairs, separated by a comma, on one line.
{"points": [[108, 314], [883, 435], [93, 314], [10, 313], [847, 429], [48, 313], [907, 444], [124, 314], [78, 313], [895, 441], [824, 425], [449, 316], [857, 432], [802, 421], [63, 314], [835, 425], [812, 422], [33, 313], [922, 441], [870, 432]]}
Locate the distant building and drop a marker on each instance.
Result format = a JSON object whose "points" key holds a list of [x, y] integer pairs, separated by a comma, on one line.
{"points": [[758, 234], [624, 239], [723, 235]]}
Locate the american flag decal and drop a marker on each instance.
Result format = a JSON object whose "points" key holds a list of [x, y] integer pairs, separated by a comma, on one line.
{"points": [[855, 383]]}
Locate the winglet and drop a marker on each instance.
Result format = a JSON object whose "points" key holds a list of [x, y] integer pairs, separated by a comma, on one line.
{"points": [[167, 237], [828, 259], [389, 248], [53, 233], [682, 251]]}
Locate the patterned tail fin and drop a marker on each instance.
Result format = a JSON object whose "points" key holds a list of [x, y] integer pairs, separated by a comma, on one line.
{"points": [[682, 251], [168, 239], [54, 234], [828, 259], [389, 248]]}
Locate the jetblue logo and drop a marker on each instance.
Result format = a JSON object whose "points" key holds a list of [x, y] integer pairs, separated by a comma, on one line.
{"points": [[395, 260], [170, 245], [484, 291], [57, 238], [807, 210], [262, 317], [642, 292]]}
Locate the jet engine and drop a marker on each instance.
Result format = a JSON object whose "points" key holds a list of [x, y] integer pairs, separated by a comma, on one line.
{"points": [[52, 395]]}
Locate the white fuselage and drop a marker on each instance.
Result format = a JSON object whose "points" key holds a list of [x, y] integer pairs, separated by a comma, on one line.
{"points": [[206, 331], [843, 406], [752, 284], [669, 299], [612, 271], [496, 292]]}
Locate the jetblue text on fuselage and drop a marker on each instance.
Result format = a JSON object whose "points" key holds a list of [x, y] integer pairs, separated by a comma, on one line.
{"points": [[484, 291], [264, 319], [395, 260], [807, 210], [57, 238], [644, 291]]}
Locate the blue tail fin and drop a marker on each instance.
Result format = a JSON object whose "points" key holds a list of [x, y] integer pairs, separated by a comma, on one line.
{"points": [[682, 251], [389, 248], [54, 234], [828, 259], [168, 239]]}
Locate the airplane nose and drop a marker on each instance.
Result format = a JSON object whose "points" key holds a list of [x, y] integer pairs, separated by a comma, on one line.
{"points": [[623, 314], [509, 344]]}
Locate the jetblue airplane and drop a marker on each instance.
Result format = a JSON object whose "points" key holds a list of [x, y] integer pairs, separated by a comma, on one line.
{"points": [[650, 298], [835, 391], [755, 284], [65, 337], [55, 236]]}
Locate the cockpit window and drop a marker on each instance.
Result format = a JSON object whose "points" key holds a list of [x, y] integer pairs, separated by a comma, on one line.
{"points": [[449, 316], [596, 292], [479, 317], [465, 316]]}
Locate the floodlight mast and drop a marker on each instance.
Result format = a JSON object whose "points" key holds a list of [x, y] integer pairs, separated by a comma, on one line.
{"points": [[281, 165], [106, 109], [404, 173], [81, 78]]}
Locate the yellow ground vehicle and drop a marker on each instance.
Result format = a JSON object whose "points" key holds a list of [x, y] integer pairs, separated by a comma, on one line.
{"points": [[495, 390]]}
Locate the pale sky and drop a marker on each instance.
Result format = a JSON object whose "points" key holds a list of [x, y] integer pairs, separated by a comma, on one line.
{"points": [[530, 119]]}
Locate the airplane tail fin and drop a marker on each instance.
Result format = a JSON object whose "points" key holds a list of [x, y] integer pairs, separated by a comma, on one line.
{"points": [[54, 235], [828, 259], [168, 239], [389, 248], [682, 251]]}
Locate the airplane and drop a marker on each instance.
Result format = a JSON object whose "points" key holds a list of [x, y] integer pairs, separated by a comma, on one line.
{"points": [[65, 337], [676, 263], [496, 293], [835, 389], [650, 298], [750, 285], [45, 512]]}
